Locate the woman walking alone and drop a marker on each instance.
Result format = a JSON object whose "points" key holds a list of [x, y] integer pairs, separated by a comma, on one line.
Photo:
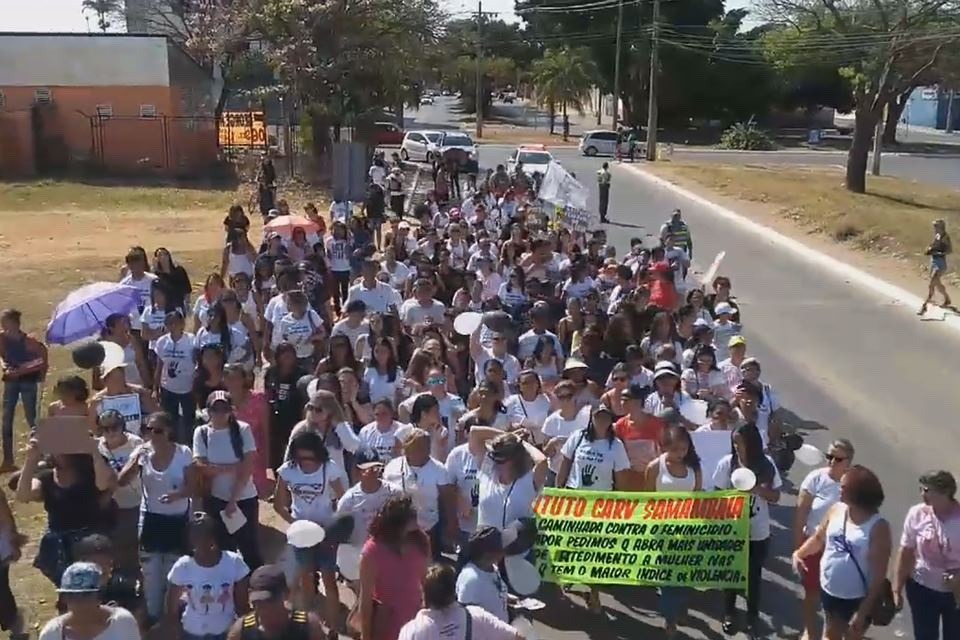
{"points": [[939, 249]]}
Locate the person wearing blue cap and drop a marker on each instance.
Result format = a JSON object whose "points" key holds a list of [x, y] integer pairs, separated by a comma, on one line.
{"points": [[86, 617]]}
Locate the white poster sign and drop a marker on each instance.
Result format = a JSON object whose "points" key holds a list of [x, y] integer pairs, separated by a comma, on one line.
{"points": [[128, 405], [711, 446]]}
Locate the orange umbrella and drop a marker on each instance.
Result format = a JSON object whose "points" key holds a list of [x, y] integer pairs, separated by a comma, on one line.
{"points": [[284, 225]]}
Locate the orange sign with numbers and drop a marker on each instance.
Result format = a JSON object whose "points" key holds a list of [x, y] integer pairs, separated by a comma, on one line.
{"points": [[243, 129]]}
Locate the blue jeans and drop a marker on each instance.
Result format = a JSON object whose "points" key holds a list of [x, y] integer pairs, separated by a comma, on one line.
{"points": [[932, 610], [26, 393]]}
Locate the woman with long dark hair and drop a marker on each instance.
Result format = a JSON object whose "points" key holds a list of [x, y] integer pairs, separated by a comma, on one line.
{"points": [[208, 376], [383, 376], [676, 469], [392, 567], [285, 400], [595, 459], [223, 451], [938, 250], [324, 415], [341, 355], [704, 380], [116, 329], [173, 277], [545, 360], [250, 406], [746, 450], [309, 485], [212, 287]]}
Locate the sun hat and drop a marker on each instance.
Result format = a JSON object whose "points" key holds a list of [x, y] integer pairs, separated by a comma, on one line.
{"points": [[81, 577], [367, 459], [724, 309], [737, 341], [572, 364]]}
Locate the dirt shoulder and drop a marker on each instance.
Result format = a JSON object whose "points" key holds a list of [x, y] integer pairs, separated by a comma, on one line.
{"points": [[883, 232]]}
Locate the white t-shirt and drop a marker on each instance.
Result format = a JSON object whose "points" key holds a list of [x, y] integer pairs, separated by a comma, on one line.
{"points": [[208, 592], [594, 462], [556, 427], [531, 415], [312, 496], [484, 589], [379, 385], [338, 254], [342, 328], [528, 342], [217, 449], [364, 506], [378, 174], [120, 626], [126, 497], [378, 299], [413, 313], [297, 331], [383, 442], [462, 469], [580, 289], [451, 408], [511, 366], [451, 624], [399, 275], [143, 285], [759, 508], [826, 493], [157, 483], [152, 319], [177, 360], [201, 308], [500, 504], [422, 484], [239, 341]]}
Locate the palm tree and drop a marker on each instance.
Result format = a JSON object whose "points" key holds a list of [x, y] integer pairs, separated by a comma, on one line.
{"points": [[564, 77], [104, 10]]}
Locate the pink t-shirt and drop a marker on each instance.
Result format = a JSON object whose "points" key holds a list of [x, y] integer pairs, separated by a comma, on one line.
{"points": [[398, 584], [451, 623], [254, 412], [936, 544]]}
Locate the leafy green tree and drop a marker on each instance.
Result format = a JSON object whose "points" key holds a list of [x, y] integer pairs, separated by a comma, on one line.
{"points": [[564, 77]]}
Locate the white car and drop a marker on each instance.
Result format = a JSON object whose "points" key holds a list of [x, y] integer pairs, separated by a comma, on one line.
{"points": [[426, 99], [457, 140], [599, 142], [535, 159], [420, 146]]}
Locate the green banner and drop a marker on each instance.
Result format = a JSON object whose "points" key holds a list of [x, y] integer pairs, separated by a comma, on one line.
{"points": [[697, 539]]}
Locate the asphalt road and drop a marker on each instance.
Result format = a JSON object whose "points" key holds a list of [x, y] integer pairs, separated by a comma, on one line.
{"points": [[844, 361], [931, 168]]}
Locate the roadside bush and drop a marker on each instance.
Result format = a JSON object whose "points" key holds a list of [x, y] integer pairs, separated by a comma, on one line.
{"points": [[745, 136]]}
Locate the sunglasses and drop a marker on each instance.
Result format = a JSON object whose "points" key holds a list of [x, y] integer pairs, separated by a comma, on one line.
{"points": [[437, 380], [833, 458]]}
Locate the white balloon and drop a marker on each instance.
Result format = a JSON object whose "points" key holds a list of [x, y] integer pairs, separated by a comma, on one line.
{"points": [[304, 534], [525, 628], [467, 322], [348, 561], [809, 455], [743, 479], [113, 356], [523, 576], [695, 411]]}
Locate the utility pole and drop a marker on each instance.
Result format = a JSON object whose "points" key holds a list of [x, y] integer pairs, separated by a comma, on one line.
{"points": [[878, 143], [654, 68], [949, 127], [478, 93], [616, 67]]}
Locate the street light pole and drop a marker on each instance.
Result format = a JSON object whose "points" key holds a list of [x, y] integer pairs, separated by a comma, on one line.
{"points": [[616, 67], [478, 94], [878, 143], [654, 67]]}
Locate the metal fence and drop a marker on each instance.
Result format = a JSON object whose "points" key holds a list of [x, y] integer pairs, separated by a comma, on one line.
{"points": [[177, 146]]}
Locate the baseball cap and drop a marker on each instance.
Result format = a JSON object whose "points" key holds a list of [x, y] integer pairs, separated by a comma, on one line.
{"points": [[113, 358], [700, 322], [602, 408], [573, 363], [267, 582], [724, 308], [81, 577], [737, 341], [217, 396], [634, 392], [665, 371], [403, 225], [367, 459], [273, 235]]}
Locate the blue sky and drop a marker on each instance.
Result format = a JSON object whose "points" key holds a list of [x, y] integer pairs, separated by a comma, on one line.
{"points": [[65, 15]]}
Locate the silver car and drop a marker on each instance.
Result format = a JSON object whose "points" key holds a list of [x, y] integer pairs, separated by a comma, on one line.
{"points": [[599, 142], [420, 146]]}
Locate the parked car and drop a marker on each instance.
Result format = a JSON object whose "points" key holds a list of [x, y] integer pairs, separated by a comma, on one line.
{"points": [[451, 141], [420, 146], [535, 159], [386, 134], [426, 99], [599, 142]]}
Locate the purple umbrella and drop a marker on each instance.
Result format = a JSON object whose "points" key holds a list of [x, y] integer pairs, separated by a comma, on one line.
{"points": [[84, 311]]}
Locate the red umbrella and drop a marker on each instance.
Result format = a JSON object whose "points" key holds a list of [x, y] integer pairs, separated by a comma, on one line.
{"points": [[284, 225]]}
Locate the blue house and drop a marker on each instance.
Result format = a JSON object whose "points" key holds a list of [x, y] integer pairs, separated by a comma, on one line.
{"points": [[928, 107]]}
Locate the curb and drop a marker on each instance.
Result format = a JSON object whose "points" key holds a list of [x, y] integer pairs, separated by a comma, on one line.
{"points": [[902, 298]]}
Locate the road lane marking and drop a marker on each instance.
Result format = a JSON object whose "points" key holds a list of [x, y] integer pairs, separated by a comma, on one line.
{"points": [[906, 300]]}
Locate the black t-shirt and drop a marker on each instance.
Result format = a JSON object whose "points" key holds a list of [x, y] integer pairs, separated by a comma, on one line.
{"points": [[176, 284], [72, 508], [121, 591]]}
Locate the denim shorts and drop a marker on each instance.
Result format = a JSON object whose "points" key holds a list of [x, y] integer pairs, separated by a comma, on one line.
{"points": [[322, 557], [839, 608]]}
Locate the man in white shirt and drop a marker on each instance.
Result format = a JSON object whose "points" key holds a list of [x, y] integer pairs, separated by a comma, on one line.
{"points": [[422, 308], [377, 296]]}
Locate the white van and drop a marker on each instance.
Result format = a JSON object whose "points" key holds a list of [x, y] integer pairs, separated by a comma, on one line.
{"points": [[599, 142]]}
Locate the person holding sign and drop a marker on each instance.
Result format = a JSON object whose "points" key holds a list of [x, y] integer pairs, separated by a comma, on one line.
{"points": [[132, 401], [595, 459], [676, 469], [747, 452]]}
